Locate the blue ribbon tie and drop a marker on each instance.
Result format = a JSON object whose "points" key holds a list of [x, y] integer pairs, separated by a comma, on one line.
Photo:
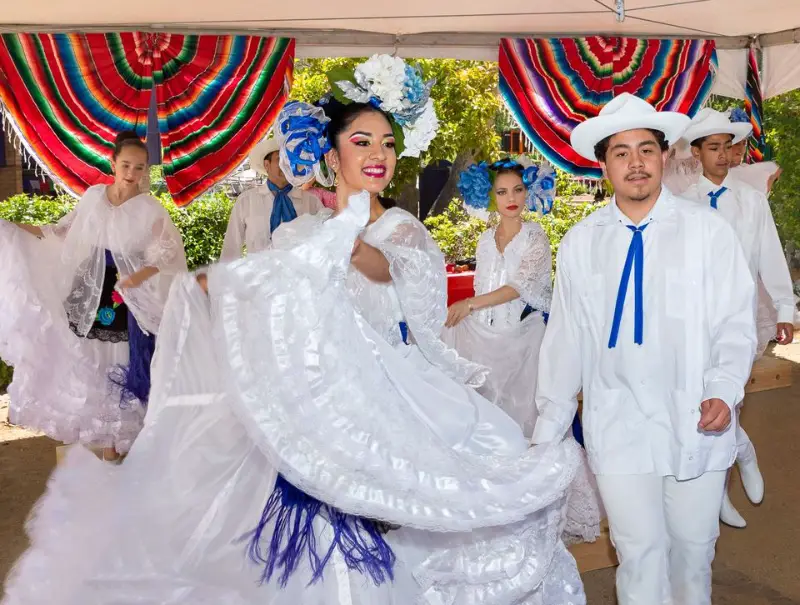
{"points": [[282, 207], [634, 262], [715, 195]]}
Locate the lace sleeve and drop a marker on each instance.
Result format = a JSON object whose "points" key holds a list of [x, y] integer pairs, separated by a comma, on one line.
{"points": [[60, 228], [417, 268], [164, 251], [532, 279]]}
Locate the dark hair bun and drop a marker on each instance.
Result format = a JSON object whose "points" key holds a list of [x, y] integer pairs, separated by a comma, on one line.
{"points": [[126, 135], [128, 138]]}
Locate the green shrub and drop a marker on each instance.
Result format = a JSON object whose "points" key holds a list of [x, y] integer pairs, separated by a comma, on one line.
{"points": [[457, 233]]}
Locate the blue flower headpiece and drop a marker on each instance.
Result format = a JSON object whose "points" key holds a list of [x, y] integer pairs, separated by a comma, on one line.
{"points": [[739, 115], [302, 134], [476, 182]]}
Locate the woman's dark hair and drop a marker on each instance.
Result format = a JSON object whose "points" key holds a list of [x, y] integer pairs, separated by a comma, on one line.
{"points": [[601, 148], [128, 138], [342, 116], [507, 166], [387, 202]]}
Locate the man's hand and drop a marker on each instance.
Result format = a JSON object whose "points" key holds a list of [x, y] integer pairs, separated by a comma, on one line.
{"points": [[785, 334], [715, 416]]}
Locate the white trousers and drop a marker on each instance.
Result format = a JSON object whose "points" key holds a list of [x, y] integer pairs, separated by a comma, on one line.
{"points": [[664, 532], [745, 452]]}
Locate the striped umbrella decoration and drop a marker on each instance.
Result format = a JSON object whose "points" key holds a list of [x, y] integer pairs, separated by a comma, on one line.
{"points": [[552, 85], [754, 106], [66, 96]]}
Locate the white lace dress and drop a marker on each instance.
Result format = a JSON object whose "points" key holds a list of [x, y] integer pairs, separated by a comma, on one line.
{"points": [[295, 381], [497, 337], [49, 323], [500, 339]]}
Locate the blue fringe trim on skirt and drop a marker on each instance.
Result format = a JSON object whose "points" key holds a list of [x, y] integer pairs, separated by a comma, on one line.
{"points": [[290, 514]]}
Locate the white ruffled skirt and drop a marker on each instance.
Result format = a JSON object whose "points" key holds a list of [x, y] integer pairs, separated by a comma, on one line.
{"points": [[61, 383], [512, 355], [170, 525]]}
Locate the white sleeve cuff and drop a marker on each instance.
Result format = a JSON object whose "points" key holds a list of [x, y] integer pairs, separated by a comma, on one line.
{"points": [[725, 390], [786, 314], [546, 431]]}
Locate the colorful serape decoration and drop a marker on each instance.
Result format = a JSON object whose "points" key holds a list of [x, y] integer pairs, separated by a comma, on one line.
{"points": [[552, 85], [754, 106], [66, 96]]}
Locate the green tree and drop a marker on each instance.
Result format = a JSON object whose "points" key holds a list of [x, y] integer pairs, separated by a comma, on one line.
{"points": [[782, 125], [467, 104]]}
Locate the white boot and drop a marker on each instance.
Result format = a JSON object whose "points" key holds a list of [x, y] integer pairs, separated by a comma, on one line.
{"points": [[729, 515], [752, 480]]}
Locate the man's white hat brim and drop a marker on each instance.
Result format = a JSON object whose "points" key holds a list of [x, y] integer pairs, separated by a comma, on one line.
{"points": [[587, 134], [738, 130]]}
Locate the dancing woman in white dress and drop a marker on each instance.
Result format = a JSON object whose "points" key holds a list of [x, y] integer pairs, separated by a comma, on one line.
{"points": [[296, 449], [81, 303]]}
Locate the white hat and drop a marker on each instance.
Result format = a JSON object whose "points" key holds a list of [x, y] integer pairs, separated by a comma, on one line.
{"points": [[625, 112], [260, 152], [709, 121]]}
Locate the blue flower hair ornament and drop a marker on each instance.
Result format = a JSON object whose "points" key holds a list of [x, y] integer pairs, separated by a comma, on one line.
{"points": [[302, 134], [738, 115], [540, 181], [476, 186]]}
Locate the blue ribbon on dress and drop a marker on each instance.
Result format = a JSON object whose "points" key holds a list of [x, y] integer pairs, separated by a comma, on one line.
{"points": [[133, 379], [404, 331], [715, 195], [282, 207], [633, 263]]}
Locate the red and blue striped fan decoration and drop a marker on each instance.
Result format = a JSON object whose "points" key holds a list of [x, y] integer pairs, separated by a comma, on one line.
{"points": [[67, 96], [552, 85], [754, 106]]}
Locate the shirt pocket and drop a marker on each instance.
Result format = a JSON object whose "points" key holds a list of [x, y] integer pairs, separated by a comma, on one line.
{"points": [[675, 294], [592, 302]]}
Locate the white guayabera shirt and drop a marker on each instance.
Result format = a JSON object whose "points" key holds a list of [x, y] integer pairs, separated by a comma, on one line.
{"points": [[641, 403], [747, 211], [248, 226]]}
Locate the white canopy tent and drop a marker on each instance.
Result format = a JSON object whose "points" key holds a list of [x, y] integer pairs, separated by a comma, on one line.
{"points": [[462, 29]]}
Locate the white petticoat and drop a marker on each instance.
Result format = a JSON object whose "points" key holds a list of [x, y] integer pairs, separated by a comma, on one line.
{"points": [[61, 383]]}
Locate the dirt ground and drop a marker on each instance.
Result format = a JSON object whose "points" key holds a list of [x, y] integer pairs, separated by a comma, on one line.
{"points": [[759, 565]]}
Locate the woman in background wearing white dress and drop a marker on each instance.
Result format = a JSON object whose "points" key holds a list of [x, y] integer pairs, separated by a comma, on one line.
{"points": [[81, 303], [502, 326]]}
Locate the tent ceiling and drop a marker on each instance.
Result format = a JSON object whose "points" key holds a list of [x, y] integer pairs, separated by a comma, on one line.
{"points": [[446, 24]]}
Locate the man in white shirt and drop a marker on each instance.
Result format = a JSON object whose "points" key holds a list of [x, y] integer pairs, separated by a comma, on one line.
{"points": [[711, 135], [651, 319], [260, 210]]}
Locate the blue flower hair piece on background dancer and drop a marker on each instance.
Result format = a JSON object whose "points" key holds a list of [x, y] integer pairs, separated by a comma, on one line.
{"points": [[475, 186], [540, 182], [738, 114], [476, 182]]}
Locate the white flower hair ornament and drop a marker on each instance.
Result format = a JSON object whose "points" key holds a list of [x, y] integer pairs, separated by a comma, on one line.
{"points": [[397, 89]]}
